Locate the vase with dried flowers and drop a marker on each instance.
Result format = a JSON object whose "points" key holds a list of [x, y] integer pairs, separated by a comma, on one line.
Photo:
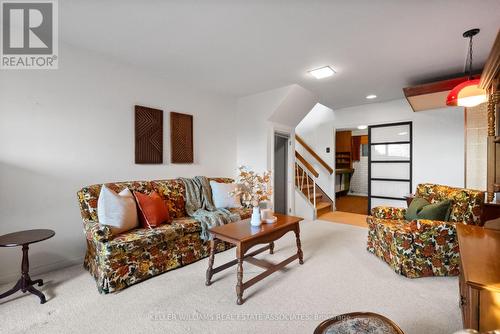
{"points": [[253, 188]]}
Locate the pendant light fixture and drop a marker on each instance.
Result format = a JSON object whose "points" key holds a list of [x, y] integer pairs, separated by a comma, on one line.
{"points": [[468, 93]]}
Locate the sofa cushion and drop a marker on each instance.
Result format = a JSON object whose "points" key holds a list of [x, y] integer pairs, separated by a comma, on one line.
{"points": [[152, 209], [142, 237], [118, 211], [222, 195], [87, 196], [244, 213], [173, 193], [187, 224]]}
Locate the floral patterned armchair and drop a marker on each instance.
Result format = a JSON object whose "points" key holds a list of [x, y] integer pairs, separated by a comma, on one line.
{"points": [[422, 248]]}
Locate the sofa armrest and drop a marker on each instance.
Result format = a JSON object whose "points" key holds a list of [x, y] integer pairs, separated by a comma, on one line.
{"points": [[386, 212], [95, 232]]}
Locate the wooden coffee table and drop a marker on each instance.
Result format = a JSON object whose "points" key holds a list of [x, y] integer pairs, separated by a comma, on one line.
{"points": [[244, 236]]}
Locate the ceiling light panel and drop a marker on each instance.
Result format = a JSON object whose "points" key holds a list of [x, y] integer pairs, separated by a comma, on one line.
{"points": [[323, 72]]}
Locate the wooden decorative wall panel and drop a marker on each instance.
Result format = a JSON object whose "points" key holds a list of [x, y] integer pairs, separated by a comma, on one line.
{"points": [[148, 135], [181, 138]]}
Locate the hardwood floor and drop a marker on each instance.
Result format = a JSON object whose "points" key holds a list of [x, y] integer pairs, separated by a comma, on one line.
{"points": [[345, 218], [353, 204]]}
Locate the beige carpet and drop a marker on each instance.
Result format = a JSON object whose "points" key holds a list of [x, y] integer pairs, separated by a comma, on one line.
{"points": [[338, 276]]}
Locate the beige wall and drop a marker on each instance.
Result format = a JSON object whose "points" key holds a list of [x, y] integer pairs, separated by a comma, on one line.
{"points": [[476, 132], [63, 129]]}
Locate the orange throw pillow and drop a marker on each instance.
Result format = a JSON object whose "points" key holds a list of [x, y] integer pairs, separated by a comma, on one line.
{"points": [[152, 210]]}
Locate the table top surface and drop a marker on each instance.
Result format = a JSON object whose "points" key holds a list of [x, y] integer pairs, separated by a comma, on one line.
{"points": [[25, 237], [244, 231], [479, 252]]}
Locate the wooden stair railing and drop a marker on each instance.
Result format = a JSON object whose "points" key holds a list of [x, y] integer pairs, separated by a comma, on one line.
{"points": [[306, 164], [314, 154], [306, 184]]}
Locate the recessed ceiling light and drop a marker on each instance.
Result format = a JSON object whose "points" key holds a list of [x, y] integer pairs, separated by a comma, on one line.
{"points": [[322, 72], [371, 96], [362, 127]]}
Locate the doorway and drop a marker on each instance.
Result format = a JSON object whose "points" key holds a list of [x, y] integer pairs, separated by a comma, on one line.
{"points": [[351, 170], [281, 142]]}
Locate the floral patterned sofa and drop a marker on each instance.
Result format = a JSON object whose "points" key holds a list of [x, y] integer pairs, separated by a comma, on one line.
{"points": [[422, 248], [117, 262]]}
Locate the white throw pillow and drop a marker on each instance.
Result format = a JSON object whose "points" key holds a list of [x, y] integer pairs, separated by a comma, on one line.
{"points": [[221, 196], [118, 211]]}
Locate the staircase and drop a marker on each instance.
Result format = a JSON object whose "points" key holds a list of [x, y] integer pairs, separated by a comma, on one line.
{"points": [[305, 183]]}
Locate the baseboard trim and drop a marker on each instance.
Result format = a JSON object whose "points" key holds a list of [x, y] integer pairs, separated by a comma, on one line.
{"points": [[41, 269]]}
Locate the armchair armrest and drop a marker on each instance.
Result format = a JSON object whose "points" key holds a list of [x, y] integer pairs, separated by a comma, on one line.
{"points": [[95, 232], [436, 240], [386, 212], [425, 228]]}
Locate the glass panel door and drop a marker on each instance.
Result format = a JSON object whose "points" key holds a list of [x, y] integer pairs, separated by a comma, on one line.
{"points": [[389, 164]]}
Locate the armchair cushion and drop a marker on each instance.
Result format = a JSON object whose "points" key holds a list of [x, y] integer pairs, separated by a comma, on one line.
{"points": [[465, 203], [439, 211], [422, 209], [385, 212], [414, 208]]}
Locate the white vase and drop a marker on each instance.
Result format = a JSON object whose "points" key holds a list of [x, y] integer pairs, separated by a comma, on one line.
{"points": [[255, 221]]}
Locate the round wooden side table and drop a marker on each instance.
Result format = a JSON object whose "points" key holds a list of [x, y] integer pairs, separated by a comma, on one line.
{"points": [[24, 239], [358, 322]]}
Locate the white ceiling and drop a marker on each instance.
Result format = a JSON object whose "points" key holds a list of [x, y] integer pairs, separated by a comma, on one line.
{"points": [[238, 48]]}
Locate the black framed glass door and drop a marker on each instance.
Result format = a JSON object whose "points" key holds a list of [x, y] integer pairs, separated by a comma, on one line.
{"points": [[389, 164]]}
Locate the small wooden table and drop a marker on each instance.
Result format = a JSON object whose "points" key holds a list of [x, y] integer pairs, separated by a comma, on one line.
{"points": [[24, 238], [245, 236]]}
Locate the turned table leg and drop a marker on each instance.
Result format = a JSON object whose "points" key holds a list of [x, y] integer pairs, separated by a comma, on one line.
{"points": [[271, 247], [27, 283], [299, 247], [240, 255], [239, 284], [210, 262], [25, 268]]}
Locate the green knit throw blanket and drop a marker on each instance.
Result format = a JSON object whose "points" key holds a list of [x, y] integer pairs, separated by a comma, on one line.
{"points": [[200, 206]]}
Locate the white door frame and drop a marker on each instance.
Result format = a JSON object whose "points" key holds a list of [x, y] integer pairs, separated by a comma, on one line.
{"points": [[291, 162]]}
